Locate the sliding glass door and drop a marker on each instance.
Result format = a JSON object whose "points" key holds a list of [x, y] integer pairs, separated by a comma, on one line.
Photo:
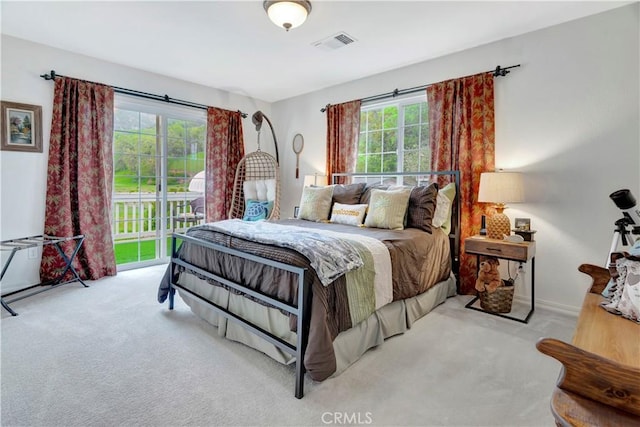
{"points": [[158, 153]]}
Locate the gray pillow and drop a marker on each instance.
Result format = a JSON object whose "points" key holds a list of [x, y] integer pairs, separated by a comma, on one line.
{"points": [[347, 194]]}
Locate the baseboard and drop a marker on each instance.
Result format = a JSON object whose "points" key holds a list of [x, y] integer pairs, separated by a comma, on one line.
{"points": [[559, 308], [552, 306]]}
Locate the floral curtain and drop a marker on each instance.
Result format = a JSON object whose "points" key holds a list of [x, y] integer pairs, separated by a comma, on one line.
{"points": [[225, 149], [462, 137], [79, 178], [343, 130]]}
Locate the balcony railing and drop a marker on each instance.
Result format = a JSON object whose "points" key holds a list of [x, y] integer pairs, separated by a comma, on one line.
{"points": [[134, 215]]}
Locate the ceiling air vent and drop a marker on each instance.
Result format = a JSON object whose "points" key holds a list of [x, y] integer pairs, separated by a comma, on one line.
{"points": [[335, 41]]}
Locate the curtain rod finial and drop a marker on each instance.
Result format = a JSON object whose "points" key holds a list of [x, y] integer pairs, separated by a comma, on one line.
{"points": [[50, 76], [500, 72]]}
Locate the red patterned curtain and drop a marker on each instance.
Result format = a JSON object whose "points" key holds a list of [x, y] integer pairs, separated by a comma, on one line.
{"points": [[225, 149], [343, 130], [79, 178], [462, 137]]}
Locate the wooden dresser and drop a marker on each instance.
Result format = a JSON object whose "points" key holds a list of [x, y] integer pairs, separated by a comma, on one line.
{"points": [[599, 383]]}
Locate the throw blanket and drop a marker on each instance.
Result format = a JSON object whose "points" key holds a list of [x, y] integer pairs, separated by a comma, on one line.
{"points": [[329, 256], [376, 273]]}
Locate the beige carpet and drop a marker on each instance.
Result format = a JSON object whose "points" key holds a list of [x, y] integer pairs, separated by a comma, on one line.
{"points": [[111, 355]]}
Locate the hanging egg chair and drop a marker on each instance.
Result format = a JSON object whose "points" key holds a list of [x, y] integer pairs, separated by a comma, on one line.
{"points": [[256, 188]]}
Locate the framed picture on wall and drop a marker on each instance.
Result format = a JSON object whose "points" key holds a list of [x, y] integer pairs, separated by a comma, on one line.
{"points": [[21, 126], [523, 224]]}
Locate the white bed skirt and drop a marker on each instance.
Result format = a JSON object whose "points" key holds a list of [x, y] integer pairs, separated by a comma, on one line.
{"points": [[392, 319]]}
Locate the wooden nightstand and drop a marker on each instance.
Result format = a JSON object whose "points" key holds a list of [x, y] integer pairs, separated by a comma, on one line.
{"points": [[523, 252]]}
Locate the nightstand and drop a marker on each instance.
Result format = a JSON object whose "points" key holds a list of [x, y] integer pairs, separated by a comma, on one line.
{"points": [[522, 252]]}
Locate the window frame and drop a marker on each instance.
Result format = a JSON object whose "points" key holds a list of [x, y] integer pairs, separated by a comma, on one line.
{"points": [[163, 112], [400, 130]]}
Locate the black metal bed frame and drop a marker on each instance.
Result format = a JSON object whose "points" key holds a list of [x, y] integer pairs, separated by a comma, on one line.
{"points": [[302, 310]]}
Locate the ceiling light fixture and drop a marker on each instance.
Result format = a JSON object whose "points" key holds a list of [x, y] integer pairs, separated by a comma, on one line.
{"points": [[287, 14]]}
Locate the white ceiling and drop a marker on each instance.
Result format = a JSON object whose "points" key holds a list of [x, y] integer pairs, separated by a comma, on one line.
{"points": [[232, 45]]}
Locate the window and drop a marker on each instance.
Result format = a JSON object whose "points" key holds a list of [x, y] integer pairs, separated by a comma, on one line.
{"points": [[158, 150], [394, 137]]}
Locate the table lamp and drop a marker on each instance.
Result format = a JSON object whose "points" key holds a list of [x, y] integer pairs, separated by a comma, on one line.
{"points": [[315, 180], [500, 188]]}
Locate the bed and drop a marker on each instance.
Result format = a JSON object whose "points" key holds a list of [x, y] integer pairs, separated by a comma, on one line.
{"points": [[316, 291]]}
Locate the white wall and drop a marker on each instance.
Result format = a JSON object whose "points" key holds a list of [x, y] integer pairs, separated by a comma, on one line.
{"points": [[568, 118], [23, 175]]}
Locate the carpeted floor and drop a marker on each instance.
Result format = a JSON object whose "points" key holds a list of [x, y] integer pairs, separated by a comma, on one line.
{"points": [[111, 355]]}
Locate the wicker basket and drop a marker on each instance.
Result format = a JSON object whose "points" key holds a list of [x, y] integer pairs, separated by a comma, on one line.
{"points": [[498, 301]]}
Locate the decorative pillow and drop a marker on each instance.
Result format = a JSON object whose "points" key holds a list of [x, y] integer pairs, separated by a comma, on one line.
{"points": [[394, 187], [259, 189], [422, 206], [366, 193], [347, 194], [257, 210], [315, 203], [387, 209], [444, 201], [348, 214]]}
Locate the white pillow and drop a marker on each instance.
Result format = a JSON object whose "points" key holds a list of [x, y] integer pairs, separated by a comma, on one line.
{"points": [[348, 214], [387, 209], [444, 201], [259, 189], [315, 203]]}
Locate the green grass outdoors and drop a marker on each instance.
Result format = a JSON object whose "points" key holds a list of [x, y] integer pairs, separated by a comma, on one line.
{"points": [[128, 251], [125, 181]]}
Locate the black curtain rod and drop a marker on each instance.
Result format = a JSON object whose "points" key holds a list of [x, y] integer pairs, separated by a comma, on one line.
{"points": [[52, 76], [499, 71]]}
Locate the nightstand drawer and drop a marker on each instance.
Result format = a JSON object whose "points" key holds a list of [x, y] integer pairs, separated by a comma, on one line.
{"points": [[499, 248]]}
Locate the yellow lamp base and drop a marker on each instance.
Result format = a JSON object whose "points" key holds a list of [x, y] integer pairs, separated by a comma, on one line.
{"points": [[498, 226]]}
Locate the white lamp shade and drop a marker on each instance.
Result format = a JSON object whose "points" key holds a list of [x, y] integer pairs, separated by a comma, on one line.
{"points": [[501, 187], [315, 180], [197, 183], [287, 14]]}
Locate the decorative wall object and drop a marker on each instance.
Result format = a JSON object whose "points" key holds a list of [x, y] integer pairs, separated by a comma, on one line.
{"points": [[21, 126]]}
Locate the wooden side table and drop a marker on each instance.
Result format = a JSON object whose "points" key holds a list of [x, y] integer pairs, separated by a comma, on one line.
{"points": [[522, 252]]}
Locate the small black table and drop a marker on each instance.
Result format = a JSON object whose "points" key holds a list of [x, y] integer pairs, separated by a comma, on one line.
{"points": [[16, 245]]}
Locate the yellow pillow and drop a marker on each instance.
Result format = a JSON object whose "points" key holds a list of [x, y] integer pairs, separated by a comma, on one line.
{"points": [[348, 214], [387, 209]]}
